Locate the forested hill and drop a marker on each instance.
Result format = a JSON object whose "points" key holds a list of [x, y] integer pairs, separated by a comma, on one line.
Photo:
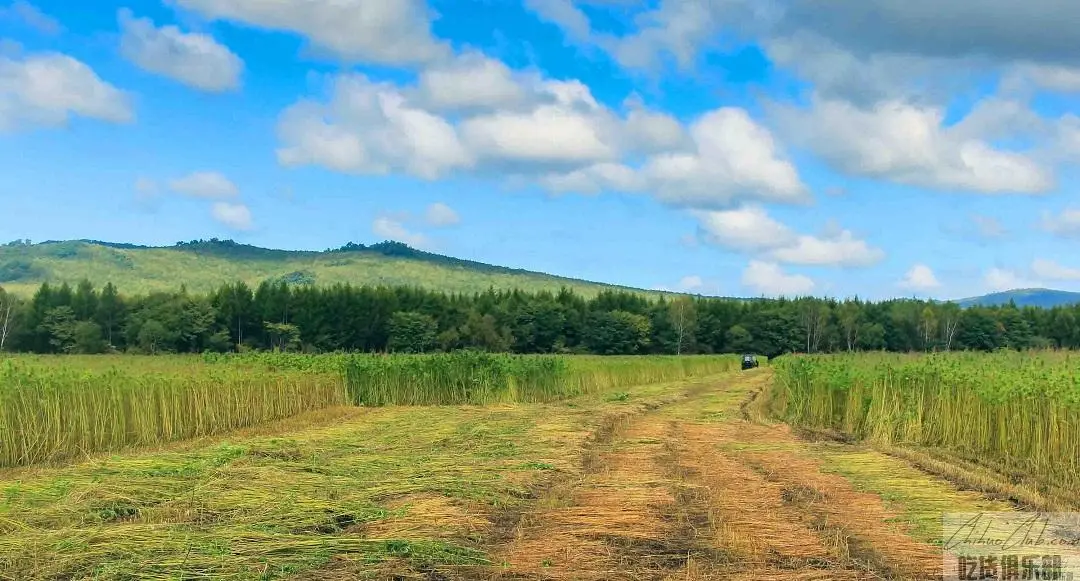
{"points": [[1028, 297], [203, 265]]}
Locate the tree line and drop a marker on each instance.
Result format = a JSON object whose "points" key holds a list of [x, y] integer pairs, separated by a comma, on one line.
{"points": [[281, 316]]}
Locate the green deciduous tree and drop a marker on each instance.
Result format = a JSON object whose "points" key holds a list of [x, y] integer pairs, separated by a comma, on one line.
{"points": [[87, 338], [412, 332]]}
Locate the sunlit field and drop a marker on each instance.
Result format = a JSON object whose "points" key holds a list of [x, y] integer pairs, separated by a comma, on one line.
{"points": [[58, 407], [474, 465], [1016, 412]]}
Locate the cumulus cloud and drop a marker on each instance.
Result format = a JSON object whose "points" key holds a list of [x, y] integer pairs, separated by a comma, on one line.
{"points": [[908, 144], [233, 215], [1065, 223], [841, 249], [439, 214], [1057, 78], [653, 131], [750, 229], [920, 278], [205, 184], [1051, 270], [194, 59], [553, 135], [1000, 279], [32, 16], [595, 178], [691, 283], [677, 31], [369, 128], [535, 130], [47, 89], [374, 31], [565, 14], [733, 158], [767, 278], [393, 229], [997, 279], [472, 81]]}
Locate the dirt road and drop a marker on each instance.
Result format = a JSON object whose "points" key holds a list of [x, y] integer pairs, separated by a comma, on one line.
{"points": [[699, 490]]}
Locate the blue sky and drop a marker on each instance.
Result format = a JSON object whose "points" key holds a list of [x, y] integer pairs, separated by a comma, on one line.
{"points": [[733, 147]]}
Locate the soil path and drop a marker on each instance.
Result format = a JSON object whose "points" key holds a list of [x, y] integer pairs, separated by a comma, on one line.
{"points": [[698, 490]]}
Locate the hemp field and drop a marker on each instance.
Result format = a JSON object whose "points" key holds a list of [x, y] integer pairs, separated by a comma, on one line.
{"points": [[684, 471]]}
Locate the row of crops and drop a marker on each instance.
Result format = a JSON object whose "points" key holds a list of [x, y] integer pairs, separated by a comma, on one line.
{"points": [[54, 408], [1018, 412]]}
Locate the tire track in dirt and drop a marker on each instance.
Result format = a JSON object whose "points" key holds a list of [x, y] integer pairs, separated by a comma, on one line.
{"points": [[669, 497]]}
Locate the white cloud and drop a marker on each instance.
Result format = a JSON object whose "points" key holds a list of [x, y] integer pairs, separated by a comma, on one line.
{"points": [[565, 14], [205, 184], [374, 31], [767, 278], [999, 117], [1063, 79], [471, 81], [750, 229], [439, 214], [908, 144], [841, 249], [691, 283], [920, 278], [998, 279], [392, 229], [1067, 138], [369, 128], [651, 131], [194, 59], [234, 215], [733, 158], [474, 115], [32, 16], [1050, 270], [567, 128], [1065, 223], [594, 179], [549, 134], [46, 89], [679, 30]]}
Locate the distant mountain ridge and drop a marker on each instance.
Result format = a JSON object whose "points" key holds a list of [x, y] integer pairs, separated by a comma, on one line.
{"points": [[202, 265], [1033, 297]]}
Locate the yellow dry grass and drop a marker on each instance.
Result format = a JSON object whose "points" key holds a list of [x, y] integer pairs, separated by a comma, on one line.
{"points": [[426, 516], [750, 517], [576, 532], [833, 503]]}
